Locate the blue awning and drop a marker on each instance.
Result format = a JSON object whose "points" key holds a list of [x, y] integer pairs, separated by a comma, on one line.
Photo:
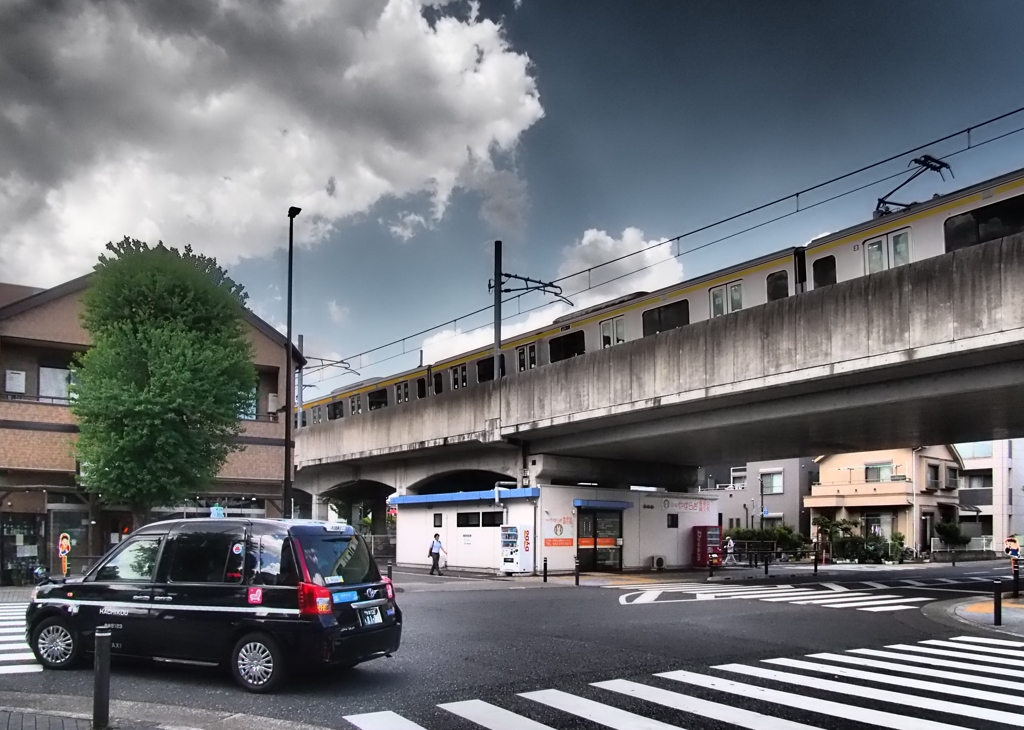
{"points": [[601, 504], [484, 496]]}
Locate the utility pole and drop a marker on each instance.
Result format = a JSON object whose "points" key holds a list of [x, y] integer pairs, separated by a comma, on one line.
{"points": [[289, 379], [298, 396], [760, 481], [497, 310]]}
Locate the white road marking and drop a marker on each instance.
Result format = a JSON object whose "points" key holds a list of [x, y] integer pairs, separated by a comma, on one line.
{"points": [[879, 602], [933, 662], [648, 597], [704, 708], [985, 640], [595, 711], [827, 707], [913, 583], [21, 669], [956, 654], [22, 657], [883, 695], [982, 649], [848, 597], [883, 609], [492, 717], [835, 587], [861, 661], [906, 682], [883, 586], [820, 594], [382, 721]]}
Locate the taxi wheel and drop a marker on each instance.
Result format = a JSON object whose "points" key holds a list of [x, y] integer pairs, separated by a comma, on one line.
{"points": [[55, 644], [257, 663]]}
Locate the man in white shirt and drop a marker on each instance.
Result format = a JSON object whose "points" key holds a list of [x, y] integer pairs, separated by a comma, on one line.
{"points": [[436, 548]]}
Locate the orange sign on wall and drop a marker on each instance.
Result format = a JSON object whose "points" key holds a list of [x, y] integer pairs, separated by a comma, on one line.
{"points": [[557, 542]]}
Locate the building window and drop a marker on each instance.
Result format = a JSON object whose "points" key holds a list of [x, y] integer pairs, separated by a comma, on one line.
{"points": [[777, 285], [421, 387], [738, 477], [726, 299], [437, 519], [952, 477], [665, 318], [53, 385], [613, 332], [438, 383], [467, 519], [673, 521], [988, 223], [771, 482], [979, 481], [932, 477], [878, 472], [770, 523], [824, 271], [377, 399], [491, 519], [566, 346], [248, 411]]}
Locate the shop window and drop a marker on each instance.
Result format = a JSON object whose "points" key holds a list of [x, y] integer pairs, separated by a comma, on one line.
{"points": [[135, 562], [206, 557], [377, 399], [566, 346], [666, 318], [467, 519], [673, 521], [492, 519], [421, 388], [824, 271], [437, 519], [777, 285]]}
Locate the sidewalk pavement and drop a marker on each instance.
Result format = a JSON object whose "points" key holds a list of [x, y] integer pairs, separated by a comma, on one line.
{"points": [[15, 594], [980, 613], [17, 720]]}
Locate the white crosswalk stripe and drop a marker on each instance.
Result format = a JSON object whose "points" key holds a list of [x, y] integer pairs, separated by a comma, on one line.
{"points": [[824, 594], [15, 655], [902, 687]]}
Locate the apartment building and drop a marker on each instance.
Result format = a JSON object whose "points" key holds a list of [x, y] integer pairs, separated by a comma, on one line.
{"points": [[993, 480], [895, 490], [768, 493], [40, 331]]}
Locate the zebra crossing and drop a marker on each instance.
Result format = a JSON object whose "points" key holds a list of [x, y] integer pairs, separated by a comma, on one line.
{"points": [[955, 684], [827, 595], [15, 655]]}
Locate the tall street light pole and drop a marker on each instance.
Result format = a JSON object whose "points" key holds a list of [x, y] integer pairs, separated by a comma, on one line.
{"points": [[286, 492]]}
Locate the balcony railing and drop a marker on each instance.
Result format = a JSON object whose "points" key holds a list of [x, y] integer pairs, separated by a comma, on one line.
{"points": [[49, 400], [977, 543]]}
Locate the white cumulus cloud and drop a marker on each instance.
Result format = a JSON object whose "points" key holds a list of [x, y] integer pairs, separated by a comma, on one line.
{"points": [[201, 121], [338, 314]]}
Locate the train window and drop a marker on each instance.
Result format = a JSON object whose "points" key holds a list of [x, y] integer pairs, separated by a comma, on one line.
{"points": [[566, 346], [613, 332], [405, 392], [998, 220], [485, 368], [874, 253], [377, 399], [462, 374], [899, 248], [300, 419], [723, 304], [718, 301], [527, 357], [521, 352], [458, 377], [668, 317], [335, 410], [315, 413], [355, 404], [735, 297], [438, 383], [824, 271], [421, 387], [398, 392], [777, 285]]}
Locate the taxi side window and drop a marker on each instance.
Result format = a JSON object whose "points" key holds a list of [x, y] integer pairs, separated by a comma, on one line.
{"points": [[207, 557], [134, 562], [275, 563]]}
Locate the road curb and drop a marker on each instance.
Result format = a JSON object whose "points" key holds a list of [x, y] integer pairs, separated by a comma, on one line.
{"points": [[944, 612], [167, 717]]}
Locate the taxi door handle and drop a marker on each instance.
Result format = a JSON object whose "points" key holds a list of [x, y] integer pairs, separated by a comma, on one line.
{"points": [[140, 597]]}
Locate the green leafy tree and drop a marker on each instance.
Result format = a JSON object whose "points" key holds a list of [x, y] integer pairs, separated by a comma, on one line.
{"points": [[159, 394], [951, 535]]}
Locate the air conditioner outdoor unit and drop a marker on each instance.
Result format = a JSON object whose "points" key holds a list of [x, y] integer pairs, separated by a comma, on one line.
{"points": [[657, 562], [273, 404]]}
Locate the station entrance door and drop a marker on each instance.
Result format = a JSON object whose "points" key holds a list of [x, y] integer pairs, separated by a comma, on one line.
{"points": [[599, 540]]}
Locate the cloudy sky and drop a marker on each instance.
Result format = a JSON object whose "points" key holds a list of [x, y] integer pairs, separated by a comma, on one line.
{"points": [[413, 133]]}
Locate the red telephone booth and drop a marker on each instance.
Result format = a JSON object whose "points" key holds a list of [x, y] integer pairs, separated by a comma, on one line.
{"points": [[707, 546]]}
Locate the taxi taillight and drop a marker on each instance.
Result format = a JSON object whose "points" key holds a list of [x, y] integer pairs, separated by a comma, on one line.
{"points": [[314, 600], [389, 588]]}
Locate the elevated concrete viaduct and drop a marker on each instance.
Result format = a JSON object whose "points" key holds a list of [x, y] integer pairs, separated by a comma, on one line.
{"points": [[932, 352]]}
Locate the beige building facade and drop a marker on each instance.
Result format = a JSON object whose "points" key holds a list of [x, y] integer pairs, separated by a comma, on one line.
{"points": [[896, 490], [40, 332]]}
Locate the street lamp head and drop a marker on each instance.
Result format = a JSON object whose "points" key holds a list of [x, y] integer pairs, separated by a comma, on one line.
{"points": [[293, 211]]}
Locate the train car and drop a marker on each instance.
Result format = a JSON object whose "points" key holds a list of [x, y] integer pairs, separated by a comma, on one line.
{"points": [[983, 212]]}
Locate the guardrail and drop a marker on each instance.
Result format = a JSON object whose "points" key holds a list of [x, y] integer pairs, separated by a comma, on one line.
{"points": [[985, 542]]}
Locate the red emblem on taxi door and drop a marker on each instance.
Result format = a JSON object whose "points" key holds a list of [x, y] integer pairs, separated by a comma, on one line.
{"points": [[255, 595]]}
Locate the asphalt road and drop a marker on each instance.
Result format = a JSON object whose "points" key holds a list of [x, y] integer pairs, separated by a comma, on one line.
{"points": [[483, 640]]}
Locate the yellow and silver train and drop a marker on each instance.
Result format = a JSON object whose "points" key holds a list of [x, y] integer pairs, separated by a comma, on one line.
{"points": [[984, 212]]}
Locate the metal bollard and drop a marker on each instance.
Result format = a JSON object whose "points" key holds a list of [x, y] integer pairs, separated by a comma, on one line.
{"points": [[390, 568], [954, 558], [766, 556], [101, 680], [997, 604], [815, 562], [750, 560], [545, 570], [576, 568], [711, 566], [1016, 579]]}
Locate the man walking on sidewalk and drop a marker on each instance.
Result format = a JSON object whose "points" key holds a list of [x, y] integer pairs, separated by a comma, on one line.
{"points": [[436, 548]]}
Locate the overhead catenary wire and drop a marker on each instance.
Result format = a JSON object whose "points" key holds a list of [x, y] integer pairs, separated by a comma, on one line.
{"points": [[326, 363]]}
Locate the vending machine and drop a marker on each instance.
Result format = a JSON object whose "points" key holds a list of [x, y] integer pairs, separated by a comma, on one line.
{"points": [[707, 546], [517, 549]]}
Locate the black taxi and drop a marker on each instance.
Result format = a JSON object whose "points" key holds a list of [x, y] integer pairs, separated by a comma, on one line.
{"points": [[260, 596]]}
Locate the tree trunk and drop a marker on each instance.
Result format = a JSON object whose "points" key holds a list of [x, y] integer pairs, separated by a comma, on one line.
{"points": [[140, 516]]}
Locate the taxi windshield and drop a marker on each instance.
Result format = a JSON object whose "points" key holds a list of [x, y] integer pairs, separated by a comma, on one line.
{"points": [[338, 560]]}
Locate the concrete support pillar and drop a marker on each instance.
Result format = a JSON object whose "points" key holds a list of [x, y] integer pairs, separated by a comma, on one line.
{"points": [[379, 516]]}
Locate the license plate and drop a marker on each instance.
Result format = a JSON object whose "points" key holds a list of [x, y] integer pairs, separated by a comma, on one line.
{"points": [[371, 616]]}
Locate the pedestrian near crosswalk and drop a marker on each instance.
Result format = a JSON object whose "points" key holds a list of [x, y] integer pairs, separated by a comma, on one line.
{"points": [[15, 655], [937, 684]]}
